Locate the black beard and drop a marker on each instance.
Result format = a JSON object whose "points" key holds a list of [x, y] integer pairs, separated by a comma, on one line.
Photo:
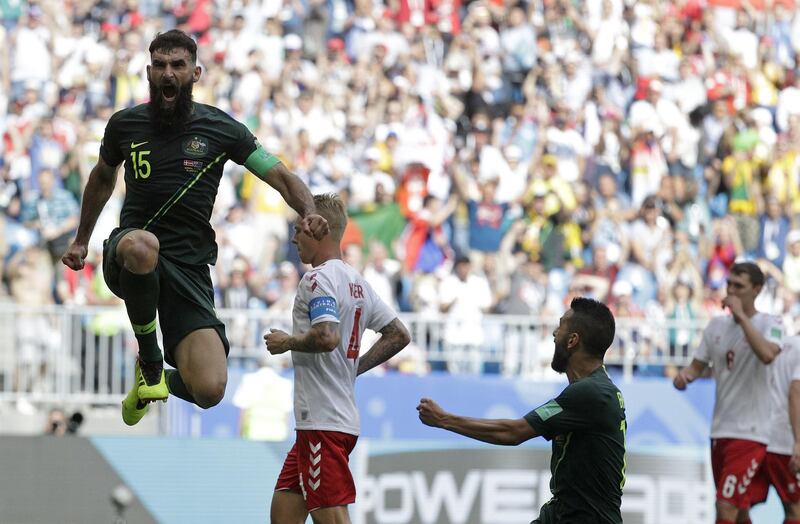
{"points": [[170, 118], [560, 359]]}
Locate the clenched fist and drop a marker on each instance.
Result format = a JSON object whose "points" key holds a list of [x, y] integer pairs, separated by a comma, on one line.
{"points": [[75, 255]]}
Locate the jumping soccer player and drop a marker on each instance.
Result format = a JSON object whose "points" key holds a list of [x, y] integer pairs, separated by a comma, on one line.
{"points": [[157, 260]]}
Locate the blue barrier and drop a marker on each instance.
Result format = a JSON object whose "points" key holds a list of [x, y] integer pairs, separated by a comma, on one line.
{"points": [[657, 413]]}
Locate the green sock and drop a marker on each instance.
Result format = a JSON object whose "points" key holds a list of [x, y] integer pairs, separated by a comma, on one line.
{"points": [[176, 385], [141, 301]]}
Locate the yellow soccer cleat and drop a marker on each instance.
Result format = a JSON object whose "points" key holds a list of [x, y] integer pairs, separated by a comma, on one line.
{"points": [[150, 390], [132, 408]]}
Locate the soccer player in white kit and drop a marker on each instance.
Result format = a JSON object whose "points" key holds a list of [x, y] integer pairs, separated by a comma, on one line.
{"points": [[333, 307], [784, 430], [738, 347]]}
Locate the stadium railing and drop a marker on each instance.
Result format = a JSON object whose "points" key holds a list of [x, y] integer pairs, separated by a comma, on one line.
{"points": [[85, 354]]}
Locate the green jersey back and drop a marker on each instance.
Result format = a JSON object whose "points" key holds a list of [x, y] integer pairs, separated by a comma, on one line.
{"points": [[586, 423], [171, 178]]}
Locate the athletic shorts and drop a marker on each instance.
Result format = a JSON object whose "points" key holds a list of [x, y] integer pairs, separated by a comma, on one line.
{"points": [[185, 298], [738, 467], [318, 467], [786, 483]]}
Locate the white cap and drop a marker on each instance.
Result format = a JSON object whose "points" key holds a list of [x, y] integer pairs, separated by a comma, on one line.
{"points": [[792, 237], [372, 153], [513, 152], [292, 42], [621, 287]]}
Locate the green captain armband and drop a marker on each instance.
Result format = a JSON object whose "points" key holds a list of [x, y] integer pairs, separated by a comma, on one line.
{"points": [[260, 162]]}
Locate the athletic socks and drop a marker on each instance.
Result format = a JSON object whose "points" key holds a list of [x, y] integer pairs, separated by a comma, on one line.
{"points": [[177, 387], [141, 301], [791, 521]]}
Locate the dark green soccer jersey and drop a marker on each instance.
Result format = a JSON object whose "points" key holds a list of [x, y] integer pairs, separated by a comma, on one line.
{"points": [[171, 178], [586, 423]]}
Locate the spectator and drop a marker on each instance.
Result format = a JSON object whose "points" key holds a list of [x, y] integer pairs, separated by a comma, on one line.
{"points": [[576, 111], [465, 298], [53, 213]]}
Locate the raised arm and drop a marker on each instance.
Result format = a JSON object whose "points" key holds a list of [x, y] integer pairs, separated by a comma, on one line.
{"points": [[323, 337], [272, 171], [98, 190], [504, 432], [765, 350], [394, 337]]}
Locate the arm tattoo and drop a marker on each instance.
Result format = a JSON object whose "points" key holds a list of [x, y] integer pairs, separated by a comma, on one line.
{"points": [[322, 337], [394, 337]]}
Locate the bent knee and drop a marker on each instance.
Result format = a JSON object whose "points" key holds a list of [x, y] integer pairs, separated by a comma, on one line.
{"points": [[137, 251], [209, 395]]}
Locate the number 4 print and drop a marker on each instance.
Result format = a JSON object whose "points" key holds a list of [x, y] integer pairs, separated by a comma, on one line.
{"points": [[355, 337]]}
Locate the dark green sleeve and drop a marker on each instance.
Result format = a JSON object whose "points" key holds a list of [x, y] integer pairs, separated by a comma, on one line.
{"points": [[574, 409], [109, 147], [243, 143]]}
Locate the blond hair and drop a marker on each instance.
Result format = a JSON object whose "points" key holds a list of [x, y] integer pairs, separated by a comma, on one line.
{"points": [[331, 208]]}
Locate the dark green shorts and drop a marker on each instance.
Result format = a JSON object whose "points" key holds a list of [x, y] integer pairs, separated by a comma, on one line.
{"points": [[185, 300]]}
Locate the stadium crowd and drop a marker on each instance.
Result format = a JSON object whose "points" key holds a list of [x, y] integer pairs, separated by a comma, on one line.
{"points": [[495, 157]]}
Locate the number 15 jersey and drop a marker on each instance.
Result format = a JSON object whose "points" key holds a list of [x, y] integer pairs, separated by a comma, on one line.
{"points": [[324, 397]]}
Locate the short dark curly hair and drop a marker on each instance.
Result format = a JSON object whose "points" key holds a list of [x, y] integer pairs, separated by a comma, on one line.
{"points": [[594, 323], [174, 39]]}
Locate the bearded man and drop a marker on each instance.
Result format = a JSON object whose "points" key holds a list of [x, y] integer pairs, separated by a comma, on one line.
{"points": [[157, 261], [586, 422]]}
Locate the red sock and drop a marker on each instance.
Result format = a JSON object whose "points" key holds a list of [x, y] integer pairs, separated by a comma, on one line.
{"points": [[791, 521], [748, 521]]}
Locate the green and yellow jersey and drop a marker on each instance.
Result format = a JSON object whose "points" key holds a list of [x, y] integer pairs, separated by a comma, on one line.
{"points": [[171, 178], [586, 423]]}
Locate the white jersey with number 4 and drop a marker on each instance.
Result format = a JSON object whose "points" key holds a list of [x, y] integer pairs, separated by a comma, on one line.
{"points": [[783, 370], [742, 407], [323, 382]]}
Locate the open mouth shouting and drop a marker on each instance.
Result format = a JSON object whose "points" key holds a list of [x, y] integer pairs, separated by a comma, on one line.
{"points": [[169, 93]]}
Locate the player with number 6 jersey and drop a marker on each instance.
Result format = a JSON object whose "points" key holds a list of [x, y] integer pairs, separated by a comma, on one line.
{"points": [[333, 307], [738, 349]]}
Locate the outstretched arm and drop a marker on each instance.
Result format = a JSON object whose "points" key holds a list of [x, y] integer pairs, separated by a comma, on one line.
{"points": [[394, 337], [505, 432], [272, 171], [321, 338], [98, 190]]}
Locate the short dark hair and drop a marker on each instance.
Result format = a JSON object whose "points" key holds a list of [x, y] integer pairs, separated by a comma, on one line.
{"points": [[751, 270], [174, 39], [594, 323]]}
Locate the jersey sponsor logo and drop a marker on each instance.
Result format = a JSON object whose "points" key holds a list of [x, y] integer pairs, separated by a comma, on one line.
{"points": [[322, 306], [548, 410], [135, 145], [195, 146]]}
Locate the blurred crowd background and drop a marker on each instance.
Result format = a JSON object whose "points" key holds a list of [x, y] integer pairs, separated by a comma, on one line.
{"points": [[496, 157]]}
